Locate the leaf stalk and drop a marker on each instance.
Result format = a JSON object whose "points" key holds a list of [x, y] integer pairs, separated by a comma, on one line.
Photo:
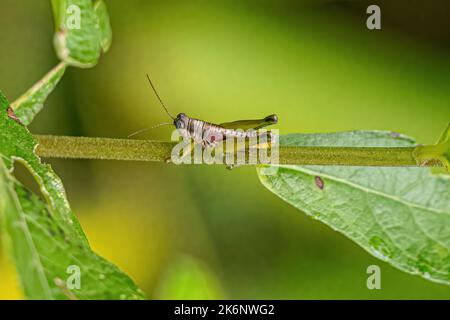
{"points": [[160, 151]]}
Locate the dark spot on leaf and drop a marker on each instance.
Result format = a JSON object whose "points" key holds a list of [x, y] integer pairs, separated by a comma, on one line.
{"points": [[61, 232], [319, 182], [13, 116], [395, 134], [52, 233]]}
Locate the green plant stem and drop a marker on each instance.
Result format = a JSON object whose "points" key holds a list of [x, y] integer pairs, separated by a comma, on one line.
{"points": [[159, 151]]}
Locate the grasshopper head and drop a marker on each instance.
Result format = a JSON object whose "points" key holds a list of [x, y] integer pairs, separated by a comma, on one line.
{"points": [[181, 121]]}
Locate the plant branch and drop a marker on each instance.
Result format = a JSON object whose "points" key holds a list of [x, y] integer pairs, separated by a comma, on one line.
{"points": [[159, 151]]}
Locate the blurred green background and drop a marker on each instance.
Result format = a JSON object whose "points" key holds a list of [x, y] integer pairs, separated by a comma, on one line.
{"points": [[204, 231]]}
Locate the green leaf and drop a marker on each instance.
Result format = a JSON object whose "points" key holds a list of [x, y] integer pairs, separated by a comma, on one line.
{"points": [[188, 278], [400, 215], [44, 235], [31, 102], [82, 31], [104, 25]]}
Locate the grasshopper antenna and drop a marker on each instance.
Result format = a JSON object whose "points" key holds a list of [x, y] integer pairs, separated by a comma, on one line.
{"points": [[149, 128], [159, 98]]}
